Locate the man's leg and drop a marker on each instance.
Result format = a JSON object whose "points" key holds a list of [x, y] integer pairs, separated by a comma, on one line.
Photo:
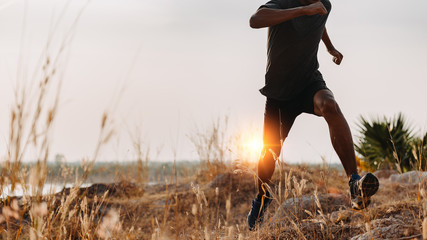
{"points": [[277, 125], [326, 106], [361, 188]]}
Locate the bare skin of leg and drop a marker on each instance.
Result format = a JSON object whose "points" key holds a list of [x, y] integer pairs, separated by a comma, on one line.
{"points": [[326, 106]]}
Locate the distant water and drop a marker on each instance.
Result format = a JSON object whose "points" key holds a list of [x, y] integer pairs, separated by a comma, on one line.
{"points": [[48, 188]]}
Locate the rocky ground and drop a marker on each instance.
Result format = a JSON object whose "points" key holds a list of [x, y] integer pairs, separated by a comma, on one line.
{"points": [[309, 203], [313, 203]]}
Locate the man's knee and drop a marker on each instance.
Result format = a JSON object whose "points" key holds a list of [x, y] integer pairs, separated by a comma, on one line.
{"points": [[328, 107]]}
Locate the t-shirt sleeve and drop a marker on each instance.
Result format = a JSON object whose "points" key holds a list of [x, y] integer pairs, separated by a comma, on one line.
{"points": [[309, 23], [274, 4]]}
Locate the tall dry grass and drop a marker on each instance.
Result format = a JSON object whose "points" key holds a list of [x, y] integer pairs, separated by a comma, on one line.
{"points": [[212, 146], [36, 215], [211, 205]]}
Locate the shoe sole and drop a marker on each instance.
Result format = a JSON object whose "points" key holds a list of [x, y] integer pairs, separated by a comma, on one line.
{"points": [[369, 185], [368, 188]]}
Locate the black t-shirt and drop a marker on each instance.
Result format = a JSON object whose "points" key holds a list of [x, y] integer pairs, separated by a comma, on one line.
{"points": [[292, 52]]}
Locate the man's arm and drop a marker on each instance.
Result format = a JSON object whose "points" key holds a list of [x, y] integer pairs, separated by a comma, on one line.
{"points": [[267, 17], [331, 49]]}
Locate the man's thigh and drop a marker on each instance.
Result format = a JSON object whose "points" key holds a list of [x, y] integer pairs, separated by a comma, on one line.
{"points": [[278, 121]]}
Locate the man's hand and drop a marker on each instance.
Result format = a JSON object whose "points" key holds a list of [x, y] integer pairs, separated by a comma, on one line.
{"points": [[337, 56], [315, 8]]}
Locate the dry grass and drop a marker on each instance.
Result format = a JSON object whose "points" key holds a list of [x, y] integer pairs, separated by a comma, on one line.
{"points": [[211, 204], [196, 209]]}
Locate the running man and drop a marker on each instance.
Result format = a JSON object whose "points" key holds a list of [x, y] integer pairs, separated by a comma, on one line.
{"points": [[294, 85]]}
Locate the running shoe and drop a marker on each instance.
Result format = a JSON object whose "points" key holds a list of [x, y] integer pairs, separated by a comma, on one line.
{"points": [[256, 215], [361, 190]]}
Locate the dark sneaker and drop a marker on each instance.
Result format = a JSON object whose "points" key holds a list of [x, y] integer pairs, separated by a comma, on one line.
{"points": [[361, 190], [256, 215]]}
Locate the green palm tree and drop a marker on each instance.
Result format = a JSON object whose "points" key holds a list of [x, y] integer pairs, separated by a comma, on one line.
{"points": [[386, 144]]}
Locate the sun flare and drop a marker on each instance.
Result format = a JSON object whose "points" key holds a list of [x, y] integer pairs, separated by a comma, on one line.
{"points": [[253, 145]]}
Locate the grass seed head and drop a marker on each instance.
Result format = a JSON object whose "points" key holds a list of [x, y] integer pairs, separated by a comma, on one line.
{"points": [[207, 237], [39, 209], [194, 209], [230, 232], [425, 228], [110, 224], [9, 212], [228, 205]]}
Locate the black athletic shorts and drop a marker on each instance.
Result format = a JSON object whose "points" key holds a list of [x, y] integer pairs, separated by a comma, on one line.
{"points": [[280, 115]]}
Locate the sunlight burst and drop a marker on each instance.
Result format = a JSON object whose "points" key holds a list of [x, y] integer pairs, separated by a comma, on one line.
{"points": [[253, 145]]}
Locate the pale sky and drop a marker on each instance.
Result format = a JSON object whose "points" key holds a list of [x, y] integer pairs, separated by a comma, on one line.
{"points": [[197, 60]]}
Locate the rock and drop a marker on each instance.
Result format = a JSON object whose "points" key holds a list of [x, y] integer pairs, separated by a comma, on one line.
{"points": [[409, 177], [384, 173], [299, 207], [393, 231], [383, 222], [387, 228], [119, 189], [231, 180]]}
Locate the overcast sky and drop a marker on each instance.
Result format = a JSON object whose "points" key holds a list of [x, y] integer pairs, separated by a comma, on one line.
{"points": [[197, 60]]}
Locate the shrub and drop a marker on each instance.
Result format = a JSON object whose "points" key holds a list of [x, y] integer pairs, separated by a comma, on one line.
{"points": [[389, 144]]}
